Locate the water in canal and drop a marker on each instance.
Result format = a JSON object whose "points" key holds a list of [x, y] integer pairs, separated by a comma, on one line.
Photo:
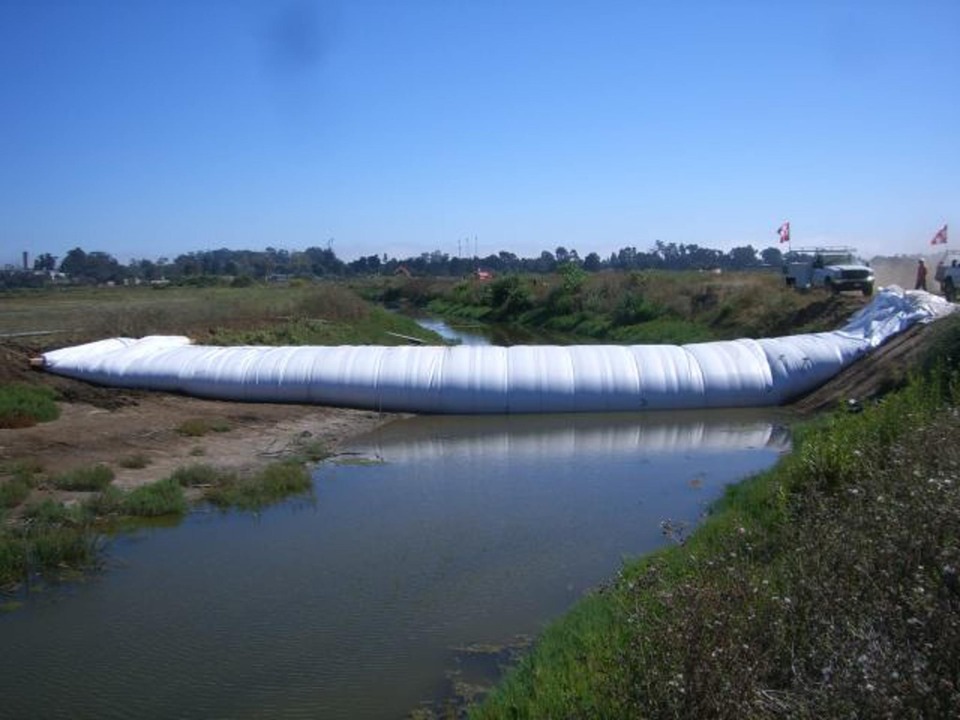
{"points": [[437, 533]]}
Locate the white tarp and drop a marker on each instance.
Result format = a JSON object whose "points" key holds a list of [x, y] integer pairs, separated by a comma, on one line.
{"points": [[520, 379]]}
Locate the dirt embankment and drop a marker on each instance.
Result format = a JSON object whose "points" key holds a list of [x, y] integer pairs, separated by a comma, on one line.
{"points": [[885, 369], [107, 425]]}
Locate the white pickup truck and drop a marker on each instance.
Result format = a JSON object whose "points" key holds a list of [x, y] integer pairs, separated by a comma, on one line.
{"points": [[835, 268]]}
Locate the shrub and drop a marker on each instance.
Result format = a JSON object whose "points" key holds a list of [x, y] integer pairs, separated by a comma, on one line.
{"points": [[198, 427], [136, 461], [96, 477], [198, 475], [270, 485], [13, 492], [164, 497]]}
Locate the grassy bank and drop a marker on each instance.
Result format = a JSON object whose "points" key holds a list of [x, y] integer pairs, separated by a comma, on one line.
{"points": [[827, 587], [296, 313], [634, 307], [45, 536]]}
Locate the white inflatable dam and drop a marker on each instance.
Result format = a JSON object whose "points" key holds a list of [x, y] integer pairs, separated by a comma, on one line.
{"points": [[518, 379]]}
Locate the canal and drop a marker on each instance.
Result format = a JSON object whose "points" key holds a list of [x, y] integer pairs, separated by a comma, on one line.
{"points": [[422, 541]]}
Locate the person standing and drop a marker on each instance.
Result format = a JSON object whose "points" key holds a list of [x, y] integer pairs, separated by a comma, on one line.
{"points": [[921, 276]]}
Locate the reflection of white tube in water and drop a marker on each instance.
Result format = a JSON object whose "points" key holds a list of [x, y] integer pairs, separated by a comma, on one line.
{"points": [[485, 438]]}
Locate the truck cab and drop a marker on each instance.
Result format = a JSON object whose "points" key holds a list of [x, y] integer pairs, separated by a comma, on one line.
{"points": [[837, 269]]}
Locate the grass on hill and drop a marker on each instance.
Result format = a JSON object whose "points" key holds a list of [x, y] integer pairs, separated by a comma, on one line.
{"points": [[23, 405]]}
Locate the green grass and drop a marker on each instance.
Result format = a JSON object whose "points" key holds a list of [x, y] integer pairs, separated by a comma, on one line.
{"points": [[24, 405], [200, 475], [632, 307], [164, 497], [310, 451], [92, 478], [13, 491], [50, 539], [270, 485], [298, 313]]}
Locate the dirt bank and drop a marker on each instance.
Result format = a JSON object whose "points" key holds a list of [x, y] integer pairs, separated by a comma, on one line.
{"points": [[106, 425]]}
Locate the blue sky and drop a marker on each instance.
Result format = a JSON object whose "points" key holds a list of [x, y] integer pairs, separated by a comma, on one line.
{"points": [[148, 129]]}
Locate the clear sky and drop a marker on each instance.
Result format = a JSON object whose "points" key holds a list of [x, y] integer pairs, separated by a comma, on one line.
{"points": [[151, 128]]}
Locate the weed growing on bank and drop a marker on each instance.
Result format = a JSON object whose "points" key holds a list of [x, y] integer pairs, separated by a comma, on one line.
{"points": [[198, 427], [266, 487], [91, 478], [164, 497], [24, 405], [48, 536], [137, 461], [827, 587]]}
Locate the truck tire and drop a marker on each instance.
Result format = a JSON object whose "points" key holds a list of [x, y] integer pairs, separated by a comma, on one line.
{"points": [[868, 290]]}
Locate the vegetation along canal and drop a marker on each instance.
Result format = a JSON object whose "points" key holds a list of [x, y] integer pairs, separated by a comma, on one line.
{"points": [[431, 534]]}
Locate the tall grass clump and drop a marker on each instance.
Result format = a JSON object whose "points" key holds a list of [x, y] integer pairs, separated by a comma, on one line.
{"points": [[23, 405], [199, 475], [136, 461], [49, 538], [91, 478], [13, 491], [17, 480], [827, 587], [164, 497], [266, 487]]}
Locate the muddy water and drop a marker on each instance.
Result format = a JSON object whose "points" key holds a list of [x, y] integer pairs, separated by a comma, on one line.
{"points": [[428, 535]]}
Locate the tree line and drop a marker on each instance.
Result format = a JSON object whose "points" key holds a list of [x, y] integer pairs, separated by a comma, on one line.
{"points": [[98, 268]]}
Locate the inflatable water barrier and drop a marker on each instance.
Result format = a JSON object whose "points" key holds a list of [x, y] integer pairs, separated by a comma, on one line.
{"points": [[518, 379]]}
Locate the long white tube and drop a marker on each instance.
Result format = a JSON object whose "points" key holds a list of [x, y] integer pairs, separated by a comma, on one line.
{"points": [[519, 379]]}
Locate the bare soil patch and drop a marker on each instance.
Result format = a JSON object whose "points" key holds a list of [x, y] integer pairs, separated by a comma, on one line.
{"points": [[106, 425]]}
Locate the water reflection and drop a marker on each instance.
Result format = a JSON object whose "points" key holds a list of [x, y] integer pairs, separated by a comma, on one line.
{"points": [[562, 436], [471, 530]]}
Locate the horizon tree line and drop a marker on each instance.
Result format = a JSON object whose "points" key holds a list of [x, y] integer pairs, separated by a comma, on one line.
{"points": [[97, 268]]}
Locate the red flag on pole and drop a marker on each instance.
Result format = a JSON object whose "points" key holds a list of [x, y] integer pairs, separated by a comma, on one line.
{"points": [[784, 232], [940, 238]]}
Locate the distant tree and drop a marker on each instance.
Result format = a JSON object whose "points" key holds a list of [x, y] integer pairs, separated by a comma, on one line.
{"points": [[546, 263], [74, 263], [94, 267], [771, 256], [591, 263], [742, 257], [45, 262]]}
